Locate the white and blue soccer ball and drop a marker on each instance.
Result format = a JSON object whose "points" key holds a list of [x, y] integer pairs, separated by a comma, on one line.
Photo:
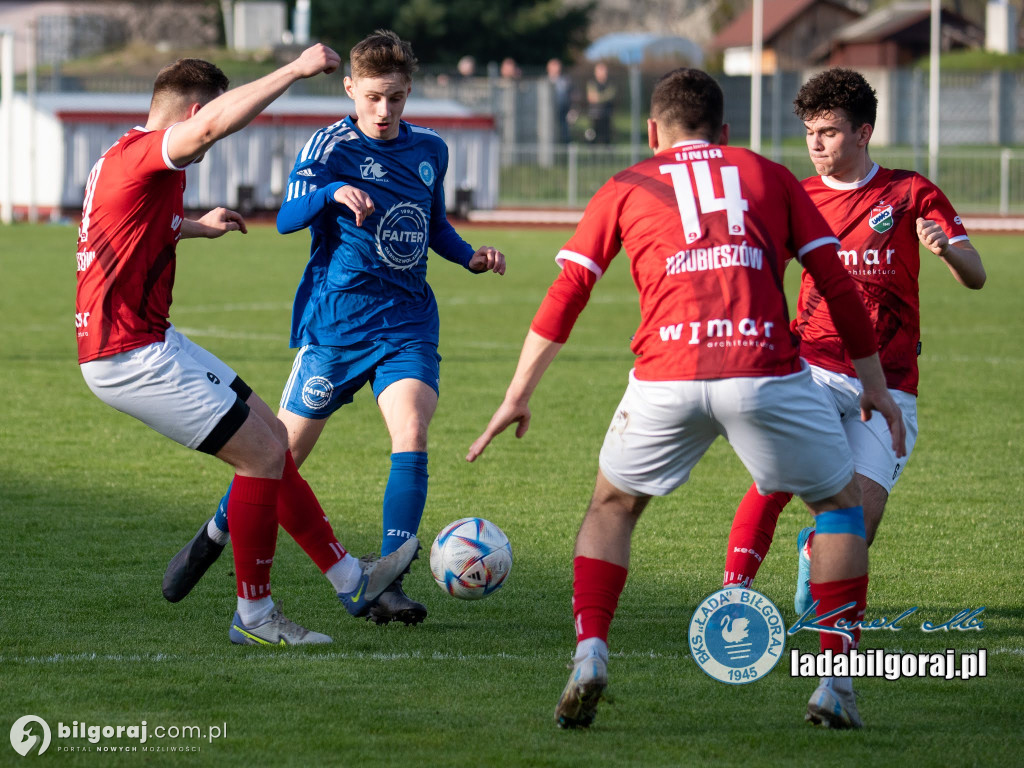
{"points": [[470, 558]]}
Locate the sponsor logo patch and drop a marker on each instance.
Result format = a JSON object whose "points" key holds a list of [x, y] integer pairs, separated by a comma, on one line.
{"points": [[371, 170], [317, 392], [402, 236]]}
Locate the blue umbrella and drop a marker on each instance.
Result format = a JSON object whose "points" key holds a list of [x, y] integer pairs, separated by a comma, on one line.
{"points": [[631, 48]]}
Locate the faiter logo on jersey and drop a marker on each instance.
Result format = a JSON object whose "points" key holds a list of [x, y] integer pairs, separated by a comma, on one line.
{"points": [[371, 170], [402, 236], [316, 392], [881, 219]]}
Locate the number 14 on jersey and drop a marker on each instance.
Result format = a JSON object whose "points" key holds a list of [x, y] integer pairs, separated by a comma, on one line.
{"points": [[731, 201]]}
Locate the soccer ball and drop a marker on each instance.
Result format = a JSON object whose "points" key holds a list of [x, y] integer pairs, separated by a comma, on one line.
{"points": [[470, 558]]}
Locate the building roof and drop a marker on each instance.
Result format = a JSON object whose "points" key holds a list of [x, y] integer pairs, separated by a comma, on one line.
{"points": [[778, 15], [884, 22]]}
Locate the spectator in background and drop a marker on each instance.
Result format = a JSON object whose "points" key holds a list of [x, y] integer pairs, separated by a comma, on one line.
{"points": [[509, 69], [600, 104], [466, 66], [561, 89]]}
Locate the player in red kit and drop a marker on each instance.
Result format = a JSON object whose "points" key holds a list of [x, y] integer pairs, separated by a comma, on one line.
{"points": [[134, 360], [708, 229], [880, 215]]}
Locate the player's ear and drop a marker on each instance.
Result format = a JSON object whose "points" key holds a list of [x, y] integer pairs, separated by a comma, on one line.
{"points": [[652, 133], [350, 87], [196, 106], [723, 140], [864, 134]]}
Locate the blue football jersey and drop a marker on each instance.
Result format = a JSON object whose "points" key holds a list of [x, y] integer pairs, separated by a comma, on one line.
{"points": [[369, 282]]}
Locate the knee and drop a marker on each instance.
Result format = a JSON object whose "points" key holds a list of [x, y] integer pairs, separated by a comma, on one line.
{"points": [[411, 435], [280, 431]]}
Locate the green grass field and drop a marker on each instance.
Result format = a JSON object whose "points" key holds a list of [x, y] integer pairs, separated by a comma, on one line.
{"points": [[93, 505]]}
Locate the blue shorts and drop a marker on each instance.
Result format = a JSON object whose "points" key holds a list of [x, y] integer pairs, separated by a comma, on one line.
{"points": [[325, 378]]}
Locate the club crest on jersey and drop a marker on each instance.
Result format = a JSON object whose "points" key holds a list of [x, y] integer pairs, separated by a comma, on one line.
{"points": [[402, 236], [371, 170], [881, 219], [427, 174]]}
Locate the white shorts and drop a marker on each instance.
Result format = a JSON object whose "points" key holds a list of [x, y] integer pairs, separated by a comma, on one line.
{"points": [[783, 428], [175, 387], [870, 441]]}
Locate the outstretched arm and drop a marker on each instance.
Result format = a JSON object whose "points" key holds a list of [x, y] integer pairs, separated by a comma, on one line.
{"points": [[235, 109], [962, 258], [214, 224], [534, 360]]}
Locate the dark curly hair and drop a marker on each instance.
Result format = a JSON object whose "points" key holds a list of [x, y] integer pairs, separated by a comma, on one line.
{"points": [[691, 100], [834, 89]]}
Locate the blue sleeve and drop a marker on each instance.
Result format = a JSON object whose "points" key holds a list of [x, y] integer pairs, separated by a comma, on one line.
{"points": [[300, 211], [444, 240]]}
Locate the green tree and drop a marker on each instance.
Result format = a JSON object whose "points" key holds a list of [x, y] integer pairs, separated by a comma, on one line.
{"points": [[442, 31]]}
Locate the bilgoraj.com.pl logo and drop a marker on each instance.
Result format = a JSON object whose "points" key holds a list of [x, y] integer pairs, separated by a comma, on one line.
{"points": [[27, 733]]}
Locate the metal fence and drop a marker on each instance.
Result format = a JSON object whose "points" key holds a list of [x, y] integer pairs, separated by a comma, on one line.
{"points": [[982, 180]]}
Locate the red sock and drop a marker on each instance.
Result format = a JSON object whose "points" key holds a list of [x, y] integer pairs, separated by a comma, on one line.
{"points": [[596, 587], [834, 594], [252, 518], [301, 515], [751, 535]]}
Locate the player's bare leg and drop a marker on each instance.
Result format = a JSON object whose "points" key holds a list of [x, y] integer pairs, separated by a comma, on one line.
{"points": [[599, 568], [839, 585], [302, 434], [407, 406], [875, 498], [192, 561]]}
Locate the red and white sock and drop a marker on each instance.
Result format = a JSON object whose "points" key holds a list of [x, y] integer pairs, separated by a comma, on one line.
{"points": [[834, 594], [301, 515], [596, 587], [252, 518], [751, 535]]}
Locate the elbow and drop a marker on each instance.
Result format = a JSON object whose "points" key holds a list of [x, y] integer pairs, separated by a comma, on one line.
{"points": [[285, 224], [975, 281]]}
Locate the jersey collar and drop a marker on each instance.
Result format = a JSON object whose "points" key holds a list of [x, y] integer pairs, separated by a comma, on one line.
{"points": [[831, 183]]}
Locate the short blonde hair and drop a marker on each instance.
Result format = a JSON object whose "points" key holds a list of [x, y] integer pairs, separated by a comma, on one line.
{"points": [[382, 53]]}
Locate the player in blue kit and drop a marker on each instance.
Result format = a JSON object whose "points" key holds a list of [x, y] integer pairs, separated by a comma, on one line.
{"points": [[369, 188]]}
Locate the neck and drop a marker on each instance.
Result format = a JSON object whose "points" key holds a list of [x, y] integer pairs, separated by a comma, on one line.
{"points": [[856, 172]]}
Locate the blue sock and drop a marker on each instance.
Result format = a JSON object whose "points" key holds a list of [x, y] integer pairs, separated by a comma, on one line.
{"points": [[221, 518], [404, 498]]}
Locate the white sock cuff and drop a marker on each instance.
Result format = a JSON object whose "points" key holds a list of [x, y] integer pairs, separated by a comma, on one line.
{"points": [[344, 575], [592, 646], [215, 533], [255, 612]]}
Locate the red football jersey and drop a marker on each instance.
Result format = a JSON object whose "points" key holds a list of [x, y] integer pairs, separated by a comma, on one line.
{"points": [[131, 223], [708, 230], [876, 221]]}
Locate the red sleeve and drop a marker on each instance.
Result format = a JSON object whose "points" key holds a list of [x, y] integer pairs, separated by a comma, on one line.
{"points": [[566, 298], [844, 302], [146, 154], [931, 203]]}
